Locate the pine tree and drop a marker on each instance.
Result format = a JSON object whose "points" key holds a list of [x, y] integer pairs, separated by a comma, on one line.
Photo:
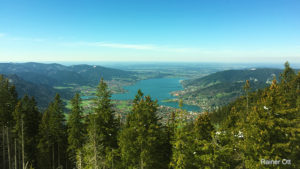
{"points": [[272, 126], [102, 131], [287, 88], [270, 129], [246, 88], [75, 130], [53, 133], [203, 152], [183, 147], [27, 119], [8, 101], [182, 150], [45, 142], [107, 121], [141, 138], [57, 128], [93, 148], [288, 73]]}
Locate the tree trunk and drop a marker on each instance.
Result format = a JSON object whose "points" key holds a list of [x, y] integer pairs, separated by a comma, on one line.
{"points": [[79, 163], [19, 155], [66, 163], [53, 163], [8, 148], [142, 165], [23, 153], [95, 146], [247, 104], [16, 164], [112, 159], [58, 160], [3, 144]]}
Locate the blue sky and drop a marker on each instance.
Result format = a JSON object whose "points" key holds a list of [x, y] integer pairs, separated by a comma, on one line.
{"points": [[150, 30]]}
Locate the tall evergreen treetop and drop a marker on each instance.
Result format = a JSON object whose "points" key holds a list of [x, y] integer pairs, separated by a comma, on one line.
{"points": [[27, 119], [75, 128], [102, 131], [104, 113], [141, 139], [8, 101], [57, 118], [52, 134], [103, 100], [288, 73]]}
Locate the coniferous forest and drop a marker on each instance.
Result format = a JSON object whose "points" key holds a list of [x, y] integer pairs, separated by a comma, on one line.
{"points": [[260, 125]]}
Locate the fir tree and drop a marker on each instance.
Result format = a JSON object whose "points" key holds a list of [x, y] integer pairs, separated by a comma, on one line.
{"points": [[8, 101], [75, 129], [271, 128], [204, 155], [102, 131], [45, 142], [141, 138], [182, 143], [246, 88], [27, 119], [53, 133]]}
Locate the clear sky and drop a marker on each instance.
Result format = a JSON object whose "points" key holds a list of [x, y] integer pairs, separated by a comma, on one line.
{"points": [[150, 30]]}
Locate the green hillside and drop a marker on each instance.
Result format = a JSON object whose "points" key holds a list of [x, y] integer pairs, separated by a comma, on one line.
{"points": [[220, 88], [42, 93], [229, 76], [56, 74], [44, 80]]}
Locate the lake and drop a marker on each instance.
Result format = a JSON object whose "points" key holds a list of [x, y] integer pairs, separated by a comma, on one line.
{"points": [[158, 89]]}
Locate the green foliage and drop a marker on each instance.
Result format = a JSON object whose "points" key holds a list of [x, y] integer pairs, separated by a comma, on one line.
{"points": [[102, 130], [8, 101], [229, 76], [193, 144], [270, 128], [52, 144], [142, 138], [221, 88], [41, 92], [75, 129], [44, 145], [93, 149], [27, 120]]}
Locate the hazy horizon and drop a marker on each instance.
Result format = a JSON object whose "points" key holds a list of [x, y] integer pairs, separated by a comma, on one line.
{"points": [[124, 64]]}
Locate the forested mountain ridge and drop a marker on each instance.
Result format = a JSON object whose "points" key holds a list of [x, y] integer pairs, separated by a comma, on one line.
{"points": [[222, 87], [56, 74], [230, 76], [44, 80], [42, 93]]}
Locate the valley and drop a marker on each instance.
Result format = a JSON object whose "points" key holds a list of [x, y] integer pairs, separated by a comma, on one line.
{"points": [[202, 87]]}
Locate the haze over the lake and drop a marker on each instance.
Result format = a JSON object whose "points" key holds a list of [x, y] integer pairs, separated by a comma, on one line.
{"points": [[156, 30]]}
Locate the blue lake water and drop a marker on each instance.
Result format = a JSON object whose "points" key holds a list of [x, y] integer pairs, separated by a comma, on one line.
{"points": [[158, 89]]}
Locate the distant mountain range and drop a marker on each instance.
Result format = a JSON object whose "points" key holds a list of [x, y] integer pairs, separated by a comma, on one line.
{"points": [[56, 74], [38, 80], [222, 87]]}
